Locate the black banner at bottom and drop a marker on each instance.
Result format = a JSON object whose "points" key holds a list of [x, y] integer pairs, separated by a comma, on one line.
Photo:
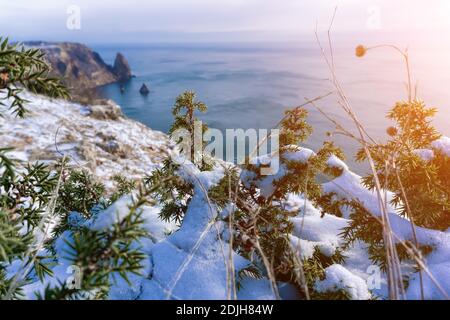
{"points": [[216, 309]]}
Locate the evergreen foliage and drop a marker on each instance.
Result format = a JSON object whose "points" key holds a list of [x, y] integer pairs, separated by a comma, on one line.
{"points": [[23, 68], [261, 225], [173, 193], [421, 187], [187, 103], [34, 195]]}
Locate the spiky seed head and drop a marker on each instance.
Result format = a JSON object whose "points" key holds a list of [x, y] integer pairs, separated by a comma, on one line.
{"points": [[360, 51]]}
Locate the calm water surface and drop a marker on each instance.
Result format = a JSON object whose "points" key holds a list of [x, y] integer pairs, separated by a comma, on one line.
{"points": [[250, 85]]}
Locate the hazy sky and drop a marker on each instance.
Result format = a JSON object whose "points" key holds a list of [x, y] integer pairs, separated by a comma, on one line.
{"points": [[227, 20]]}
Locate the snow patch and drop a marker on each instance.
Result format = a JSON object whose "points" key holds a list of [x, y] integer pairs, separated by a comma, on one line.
{"points": [[339, 278], [443, 145]]}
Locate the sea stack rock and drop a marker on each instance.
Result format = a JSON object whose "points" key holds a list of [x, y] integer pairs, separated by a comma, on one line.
{"points": [[121, 68], [144, 90]]}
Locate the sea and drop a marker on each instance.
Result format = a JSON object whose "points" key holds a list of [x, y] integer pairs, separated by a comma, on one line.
{"points": [[251, 85]]}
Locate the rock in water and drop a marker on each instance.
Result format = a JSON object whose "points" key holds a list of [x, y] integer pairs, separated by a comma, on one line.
{"points": [[121, 68], [144, 90]]}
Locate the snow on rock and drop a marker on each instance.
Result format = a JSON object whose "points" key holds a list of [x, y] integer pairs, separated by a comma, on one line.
{"points": [[339, 278], [18, 155], [299, 154], [335, 162], [113, 214], [202, 278], [440, 272], [311, 230], [155, 227], [348, 186], [102, 145], [193, 263], [255, 289], [157, 230], [61, 271], [266, 184], [123, 290], [425, 154], [443, 145], [314, 230]]}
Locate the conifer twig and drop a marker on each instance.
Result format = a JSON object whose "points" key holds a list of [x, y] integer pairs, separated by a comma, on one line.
{"points": [[33, 250]]}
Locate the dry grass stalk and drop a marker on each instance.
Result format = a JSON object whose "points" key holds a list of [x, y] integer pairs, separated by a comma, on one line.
{"points": [[395, 284]]}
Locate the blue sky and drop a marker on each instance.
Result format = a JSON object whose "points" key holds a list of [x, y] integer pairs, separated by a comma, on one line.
{"points": [[212, 20]]}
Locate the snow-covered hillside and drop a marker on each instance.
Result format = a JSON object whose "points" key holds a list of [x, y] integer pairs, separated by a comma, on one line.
{"points": [[97, 138], [192, 261]]}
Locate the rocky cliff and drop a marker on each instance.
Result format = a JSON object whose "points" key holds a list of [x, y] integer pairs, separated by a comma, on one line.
{"points": [[81, 68], [121, 68]]}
